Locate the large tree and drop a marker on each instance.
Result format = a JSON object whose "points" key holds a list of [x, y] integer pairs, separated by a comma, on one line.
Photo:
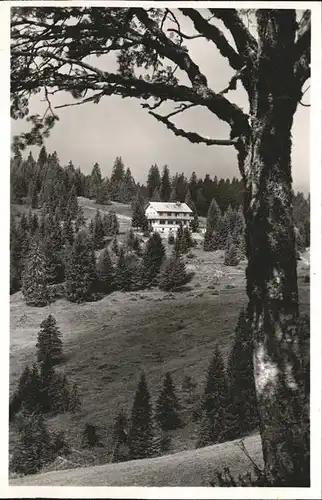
{"points": [[50, 52]]}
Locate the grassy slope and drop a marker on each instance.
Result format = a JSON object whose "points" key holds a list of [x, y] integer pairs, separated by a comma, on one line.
{"points": [[108, 342], [188, 468]]}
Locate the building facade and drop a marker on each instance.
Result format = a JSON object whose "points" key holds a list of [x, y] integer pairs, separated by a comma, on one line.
{"points": [[165, 217]]}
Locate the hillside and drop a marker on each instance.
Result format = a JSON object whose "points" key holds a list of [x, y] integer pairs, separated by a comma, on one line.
{"points": [[107, 343], [188, 468]]}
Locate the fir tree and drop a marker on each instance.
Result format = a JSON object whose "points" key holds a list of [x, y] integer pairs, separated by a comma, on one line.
{"points": [[68, 230], [103, 195], [167, 410], [90, 437], [165, 184], [138, 212], [123, 272], [115, 247], [205, 430], [156, 196], [95, 181], [194, 224], [98, 231], [34, 278], [215, 397], [80, 220], [81, 277], [49, 341], [120, 438], [34, 447], [173, 195], [105, 272], [186, 241], [27, 392], [173, 274], [208, 242], [213, 216], [243, 410], [118, 171], [178, 240], [153, 256], [154, 180], [72, 205], [141, 425], [232, 255]]}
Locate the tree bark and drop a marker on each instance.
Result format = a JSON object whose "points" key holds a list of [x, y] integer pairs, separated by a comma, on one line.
{"points": [[271, 272]]}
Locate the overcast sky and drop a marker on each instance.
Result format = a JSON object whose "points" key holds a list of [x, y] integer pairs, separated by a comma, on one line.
{"points": [[120, 127]]}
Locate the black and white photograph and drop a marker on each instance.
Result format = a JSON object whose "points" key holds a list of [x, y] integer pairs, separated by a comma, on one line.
{"points": [[164, 235]]}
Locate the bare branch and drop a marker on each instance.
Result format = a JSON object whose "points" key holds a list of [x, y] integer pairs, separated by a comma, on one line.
{"points": [[233, 82], [183, 35], [192, 136], [212, 33]]}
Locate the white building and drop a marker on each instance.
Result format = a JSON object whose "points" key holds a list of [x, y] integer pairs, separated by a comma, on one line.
{"points": [[165, 217]]}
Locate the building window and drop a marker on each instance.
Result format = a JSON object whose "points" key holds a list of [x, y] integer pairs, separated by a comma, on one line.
{"points": [[162, 221]]}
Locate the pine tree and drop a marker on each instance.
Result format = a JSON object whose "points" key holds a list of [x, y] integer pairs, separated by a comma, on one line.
{"points": [[81, 277], [186, 242], [153, 256], [156, 196], [118, 171], [154, 180], [178, 240], [68, 230], [72, 205], [209, 241], [141, 425], [138, 212], [165, 184], [123, 272], [49, 341], [34, 279], [173, 274], [105, 272], [232, 255], [243, 410], [27, 393], [120, 438], [90, 437], [213, 216], [95, 180], [215, 397], [194, 224], [80, 220], [98, 230], [173, 195], [50, 386], [167, 410], [115, 247], [34, 447], [205, 430], [103, 195]]}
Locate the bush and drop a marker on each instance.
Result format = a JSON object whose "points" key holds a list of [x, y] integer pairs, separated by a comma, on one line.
{"points": [[171, 239]]}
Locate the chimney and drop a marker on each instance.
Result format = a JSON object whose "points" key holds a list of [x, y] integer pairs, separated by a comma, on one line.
{"points": [[178, 203]]}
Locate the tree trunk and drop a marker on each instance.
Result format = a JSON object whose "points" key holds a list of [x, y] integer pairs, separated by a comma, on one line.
{"points": [[271, 272]]}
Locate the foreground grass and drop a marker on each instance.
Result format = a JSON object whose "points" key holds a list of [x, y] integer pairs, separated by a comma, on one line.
{"points": [[188, 468]]}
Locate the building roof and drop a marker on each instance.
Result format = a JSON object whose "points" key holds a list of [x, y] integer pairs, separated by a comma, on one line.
{"points": [[160, 206]]}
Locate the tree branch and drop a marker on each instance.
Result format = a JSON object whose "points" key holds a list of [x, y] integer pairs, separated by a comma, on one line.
{"points": [[245, 42], [192, 136], [212, 33]]}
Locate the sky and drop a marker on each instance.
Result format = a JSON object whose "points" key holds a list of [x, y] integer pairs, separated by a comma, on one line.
{"points": [[121, 127]]}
